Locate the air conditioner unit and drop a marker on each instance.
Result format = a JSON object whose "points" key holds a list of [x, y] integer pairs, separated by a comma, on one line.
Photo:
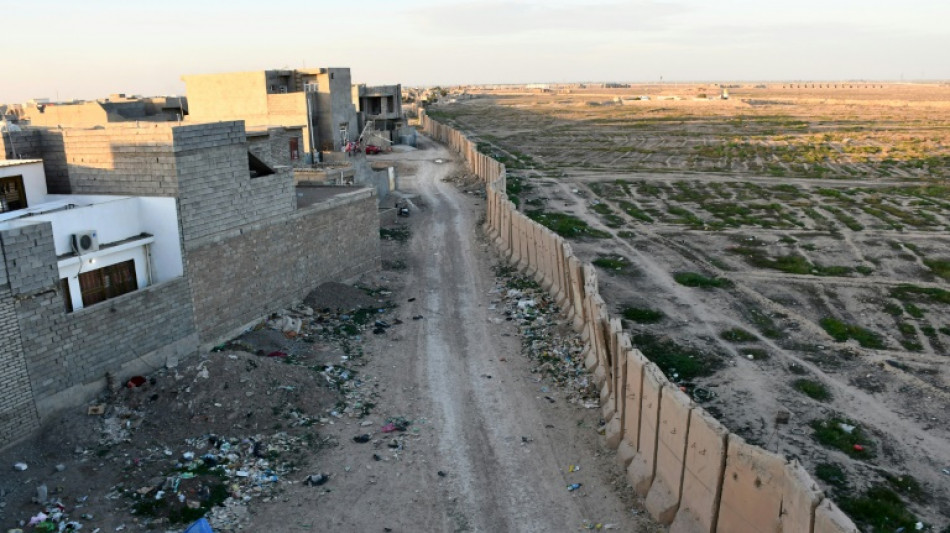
{"points": [[85, 242]]}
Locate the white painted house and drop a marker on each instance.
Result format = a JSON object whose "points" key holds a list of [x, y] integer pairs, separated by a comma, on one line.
{"points": [[106, 246]]}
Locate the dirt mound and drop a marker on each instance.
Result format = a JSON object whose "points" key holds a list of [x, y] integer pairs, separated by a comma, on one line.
{"points": [[339, 296]]}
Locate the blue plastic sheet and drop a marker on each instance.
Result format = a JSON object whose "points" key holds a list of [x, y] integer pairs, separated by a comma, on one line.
{"points": [[201, 526]]}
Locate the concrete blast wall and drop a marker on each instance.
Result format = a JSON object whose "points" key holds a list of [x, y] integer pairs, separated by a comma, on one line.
{"points": [[694, 474]]}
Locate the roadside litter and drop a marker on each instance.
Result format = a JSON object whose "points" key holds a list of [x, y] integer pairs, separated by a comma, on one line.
{"points": [[555, 350]]}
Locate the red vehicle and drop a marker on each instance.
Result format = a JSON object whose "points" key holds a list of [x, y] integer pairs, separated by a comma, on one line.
{"points": [[372, 149]]}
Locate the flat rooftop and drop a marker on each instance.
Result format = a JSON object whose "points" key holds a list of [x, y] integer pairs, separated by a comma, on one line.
{"points": [[18, 162], [307, 196]]}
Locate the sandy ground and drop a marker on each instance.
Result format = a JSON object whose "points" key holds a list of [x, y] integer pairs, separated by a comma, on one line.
{"points": [[489, 446], [576, 159]]}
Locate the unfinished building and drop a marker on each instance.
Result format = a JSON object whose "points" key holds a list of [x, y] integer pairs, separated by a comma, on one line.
{"points": [[317, 100], [175, 236], [381, 107]]}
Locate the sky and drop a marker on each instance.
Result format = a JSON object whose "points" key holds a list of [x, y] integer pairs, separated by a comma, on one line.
{"points": [[64, 49]]}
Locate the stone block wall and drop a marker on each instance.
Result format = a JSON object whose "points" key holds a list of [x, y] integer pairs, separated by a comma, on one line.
{"points": [[244, 275], [694, 474]]}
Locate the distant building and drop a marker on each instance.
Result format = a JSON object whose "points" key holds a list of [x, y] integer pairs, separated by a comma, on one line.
{"points": [[317, 100], [115, 108], [381, 106]]}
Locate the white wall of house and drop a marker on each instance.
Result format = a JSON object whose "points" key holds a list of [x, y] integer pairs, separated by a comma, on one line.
{"points": [[160, 217], [117, 218]]}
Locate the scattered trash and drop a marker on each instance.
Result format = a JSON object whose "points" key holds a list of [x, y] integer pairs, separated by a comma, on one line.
{"points": [[574, 486], [315, 480], [42, 495], [946, 471], [95, 410], [919, 526], [858, 448], [399, 423], [847, 428], [200, 526], [135, 381], [277, 354], [362, 439], [418, 317], [441, 473], [574, 468], [782, 416], [20, 467], [524, 304]]}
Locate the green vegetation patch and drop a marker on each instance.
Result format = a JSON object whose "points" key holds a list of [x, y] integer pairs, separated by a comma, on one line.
{"points": [[693, 279], [790, 264], [679, 363], [642, 315], [913, 292], [396, 233], [566, 225], [940, 267], [738, 335], [815, 390], [843, 435], [635, 211], [615, 263], [842, 331], [880, 509], [832, 474]]}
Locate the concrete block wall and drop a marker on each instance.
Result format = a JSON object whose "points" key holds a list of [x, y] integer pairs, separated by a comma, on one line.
{"points": [[694, 474], [54, 357], [215, 190], [39, 143], [138, 161], [18, 416], [246, 274]]}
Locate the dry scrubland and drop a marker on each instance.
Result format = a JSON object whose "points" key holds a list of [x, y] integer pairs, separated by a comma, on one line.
{"points": [[783, 255]]}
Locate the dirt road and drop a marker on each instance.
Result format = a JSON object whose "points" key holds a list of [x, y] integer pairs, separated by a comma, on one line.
{"points": [[492, 453]]}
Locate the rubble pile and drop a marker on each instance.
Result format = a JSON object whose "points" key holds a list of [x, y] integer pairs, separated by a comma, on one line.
{"points": [[554, 348]]}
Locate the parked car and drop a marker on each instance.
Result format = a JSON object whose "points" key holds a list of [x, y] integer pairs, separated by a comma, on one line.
{"points": [[372, 149]]}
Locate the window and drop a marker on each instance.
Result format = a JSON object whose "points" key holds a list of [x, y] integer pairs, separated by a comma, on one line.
{"points": [[294, 149], [107, 282], [12, 194]]}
